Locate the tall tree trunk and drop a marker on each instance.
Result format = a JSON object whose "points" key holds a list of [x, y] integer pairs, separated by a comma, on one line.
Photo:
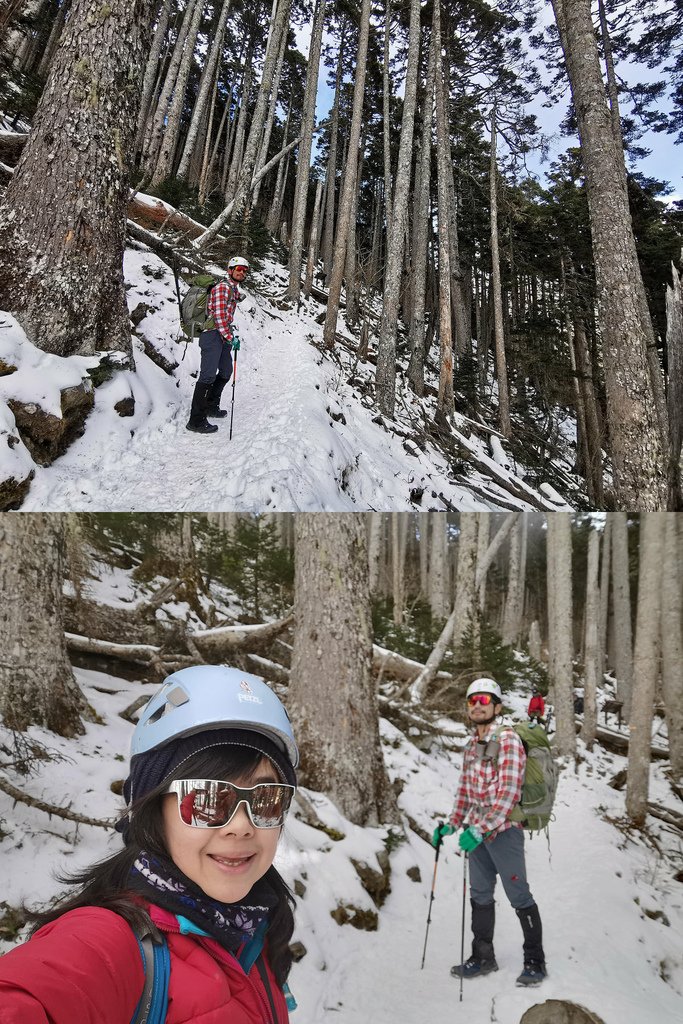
{"points": [[514, 604], [337, 723], [63, 218], [465, 605], [169, 143], [205, 90], [399, 537], [385, 381], [37, 685], [623, 646], [438, 565], [674, 351], [445, 404], [386, 120], [328, 233], [349, 183], [672, 640], [604, 596], [501, 361], [560, 587], [158, 121], [646, 655], [639, 461], [270, 120], [592, 673], [279, 25], [151, 72], [421, 234], [304, 158], [314, 238]]}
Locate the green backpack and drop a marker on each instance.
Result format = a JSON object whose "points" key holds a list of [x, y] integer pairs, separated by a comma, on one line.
{"points": [[534, 809], [194, 315]]}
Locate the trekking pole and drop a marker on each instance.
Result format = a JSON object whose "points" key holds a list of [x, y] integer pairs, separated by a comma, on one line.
{"points": [[431, 897], [234, 378], [462, 933]]}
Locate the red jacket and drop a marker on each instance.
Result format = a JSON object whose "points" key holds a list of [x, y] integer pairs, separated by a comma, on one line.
{"points": [[536, 706], [86, 968]]}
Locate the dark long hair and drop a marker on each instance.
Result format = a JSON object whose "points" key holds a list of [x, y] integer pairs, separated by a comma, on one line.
{"points": [[107, 883]]}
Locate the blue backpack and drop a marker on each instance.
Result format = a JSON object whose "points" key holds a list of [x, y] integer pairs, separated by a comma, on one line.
{"points": [[156, 962]]}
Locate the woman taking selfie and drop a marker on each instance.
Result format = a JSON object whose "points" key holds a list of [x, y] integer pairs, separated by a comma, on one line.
{"points": [[189, 921]]}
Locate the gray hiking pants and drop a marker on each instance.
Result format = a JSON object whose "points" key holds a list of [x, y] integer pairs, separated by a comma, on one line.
{"points": [[502, 856], [216, 357]]}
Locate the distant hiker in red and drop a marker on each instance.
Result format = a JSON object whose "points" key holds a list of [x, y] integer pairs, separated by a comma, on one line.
{"points": [[536, 707], [216, 344]]}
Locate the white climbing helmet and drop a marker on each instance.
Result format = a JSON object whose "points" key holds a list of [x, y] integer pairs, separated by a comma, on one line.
{"points": [[485, 685], [238, 261]]}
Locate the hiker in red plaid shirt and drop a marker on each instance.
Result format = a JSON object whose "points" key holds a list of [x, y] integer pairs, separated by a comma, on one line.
{"points": [[490, 787], [215, 347]]}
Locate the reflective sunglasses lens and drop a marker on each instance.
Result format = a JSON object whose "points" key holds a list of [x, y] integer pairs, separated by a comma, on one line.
{"points": [[208, 803], [479, 698]]}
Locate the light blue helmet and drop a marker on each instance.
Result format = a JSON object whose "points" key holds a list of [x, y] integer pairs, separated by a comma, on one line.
{"points": [[213, 697]]}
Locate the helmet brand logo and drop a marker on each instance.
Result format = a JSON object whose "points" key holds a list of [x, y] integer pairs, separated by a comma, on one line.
{"points": [[248, 695]]}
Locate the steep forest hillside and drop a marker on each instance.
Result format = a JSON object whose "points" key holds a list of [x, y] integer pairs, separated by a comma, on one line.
{"points": [[380, 166]]}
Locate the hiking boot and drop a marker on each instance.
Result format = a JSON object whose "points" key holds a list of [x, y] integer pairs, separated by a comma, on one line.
{"points": [[201, 426], [474, 967], [213, 398], [533, 974]]}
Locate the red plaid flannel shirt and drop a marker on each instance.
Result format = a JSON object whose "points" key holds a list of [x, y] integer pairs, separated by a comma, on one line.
{"points": [[222, 302], [488, 790]]}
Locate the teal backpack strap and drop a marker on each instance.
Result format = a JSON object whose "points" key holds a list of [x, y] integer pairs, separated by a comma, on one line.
{"points": [[156, 961]]}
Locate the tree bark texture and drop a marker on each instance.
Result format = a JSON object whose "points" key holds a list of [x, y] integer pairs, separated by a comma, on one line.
{"points": [[64, 214], [592, 673], [386, 350], [348, 191], [621, 596], [560, 586], [639, 462], [332, 697], [304, 157], [672, 639], [37, 685], [646, 654]]}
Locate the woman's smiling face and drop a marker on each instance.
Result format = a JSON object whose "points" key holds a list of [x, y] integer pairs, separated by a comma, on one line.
{"points": [[224, 862]]}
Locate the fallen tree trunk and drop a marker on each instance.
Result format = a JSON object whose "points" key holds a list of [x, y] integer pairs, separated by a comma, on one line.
{"points": [[50, 809], [388, 664], [224, 639]]}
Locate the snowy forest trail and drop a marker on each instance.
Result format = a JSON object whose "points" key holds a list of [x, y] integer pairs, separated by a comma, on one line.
{"points": [[303, 439], [596, 891]]}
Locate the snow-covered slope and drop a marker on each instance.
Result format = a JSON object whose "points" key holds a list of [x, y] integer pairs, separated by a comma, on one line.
{"points": [[304, 438]]}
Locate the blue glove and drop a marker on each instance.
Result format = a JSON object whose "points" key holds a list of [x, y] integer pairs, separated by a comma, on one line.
{"points": [[470, 839], [235, 343], [440, 832]]}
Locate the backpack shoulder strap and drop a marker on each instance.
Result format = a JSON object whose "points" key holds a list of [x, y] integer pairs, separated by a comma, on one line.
{"points": [[156, 961]]}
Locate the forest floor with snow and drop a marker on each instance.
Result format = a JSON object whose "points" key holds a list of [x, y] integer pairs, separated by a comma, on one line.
{"points": [[306, 436], [612, 910]]}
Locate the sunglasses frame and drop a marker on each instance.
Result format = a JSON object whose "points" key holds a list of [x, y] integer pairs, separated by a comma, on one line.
{"points": [[476, 698], [243, 793]]}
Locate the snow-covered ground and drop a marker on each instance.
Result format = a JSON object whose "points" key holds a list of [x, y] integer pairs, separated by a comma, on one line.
{"points": [[594, 887], [303, 439]]}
